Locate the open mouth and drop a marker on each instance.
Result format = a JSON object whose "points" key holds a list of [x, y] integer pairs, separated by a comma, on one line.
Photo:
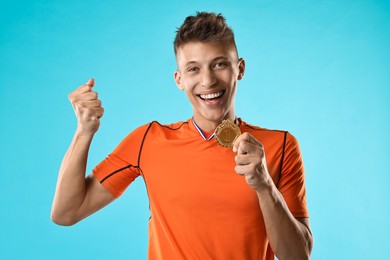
{"points": [[211, 96]]}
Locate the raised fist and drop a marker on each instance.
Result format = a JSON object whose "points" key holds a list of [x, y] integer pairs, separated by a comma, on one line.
{"points": [[87, 107]]}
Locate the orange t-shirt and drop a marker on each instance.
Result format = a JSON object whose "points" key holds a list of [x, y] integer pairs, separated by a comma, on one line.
{"points": [[200, 207]]}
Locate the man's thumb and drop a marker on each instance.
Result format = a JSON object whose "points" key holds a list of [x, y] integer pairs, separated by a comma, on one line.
{"points": [[91, 82]]}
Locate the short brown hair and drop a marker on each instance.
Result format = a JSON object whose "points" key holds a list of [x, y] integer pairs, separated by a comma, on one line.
{"points": [[204, 27]]}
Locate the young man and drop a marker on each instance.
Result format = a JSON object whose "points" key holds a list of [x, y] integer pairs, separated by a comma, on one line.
{"points": [[206, 201]]}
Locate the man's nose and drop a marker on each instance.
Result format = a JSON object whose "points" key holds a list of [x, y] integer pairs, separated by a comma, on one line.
{"points": [[208, 78]]}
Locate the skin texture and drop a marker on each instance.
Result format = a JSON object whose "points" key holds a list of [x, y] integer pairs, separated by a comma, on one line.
{"points": [[203, 69]]}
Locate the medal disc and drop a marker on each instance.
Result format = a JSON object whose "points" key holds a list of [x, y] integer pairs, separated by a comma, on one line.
{"points": [[226, 133]]}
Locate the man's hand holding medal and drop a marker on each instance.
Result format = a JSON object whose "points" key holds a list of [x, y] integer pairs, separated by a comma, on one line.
{"points": [[250, 158]]}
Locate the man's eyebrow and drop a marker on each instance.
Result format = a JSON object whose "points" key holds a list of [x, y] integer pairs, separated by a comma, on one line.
{"points": [[213, 60], [190, 63], [220, 58]]}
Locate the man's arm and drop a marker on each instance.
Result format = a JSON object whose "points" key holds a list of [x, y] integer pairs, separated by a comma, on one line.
{"points": [[289, 237], [77, 196]]}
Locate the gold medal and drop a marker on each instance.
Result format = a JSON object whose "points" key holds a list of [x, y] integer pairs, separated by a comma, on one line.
{"points": [[226, 133]]}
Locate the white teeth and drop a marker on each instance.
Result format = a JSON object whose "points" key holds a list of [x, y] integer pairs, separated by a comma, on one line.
{"points": [[211, 96]]}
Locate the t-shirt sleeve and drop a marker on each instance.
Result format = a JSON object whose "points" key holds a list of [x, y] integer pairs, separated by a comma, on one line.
{"points": [[292, 180], [120, 168]]}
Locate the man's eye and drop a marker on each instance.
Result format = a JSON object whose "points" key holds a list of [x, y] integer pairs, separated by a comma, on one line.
{"points": [[220, 65], [192, 69]]}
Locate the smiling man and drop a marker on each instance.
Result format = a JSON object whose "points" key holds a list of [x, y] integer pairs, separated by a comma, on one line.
{"points": [[208, 72], [207, 201]]}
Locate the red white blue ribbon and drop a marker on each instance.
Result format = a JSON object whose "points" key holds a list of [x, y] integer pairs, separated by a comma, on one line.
{"points": [[201, 132]]}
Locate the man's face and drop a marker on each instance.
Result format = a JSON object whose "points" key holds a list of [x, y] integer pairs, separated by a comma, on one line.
{"points": [[208, 73]]}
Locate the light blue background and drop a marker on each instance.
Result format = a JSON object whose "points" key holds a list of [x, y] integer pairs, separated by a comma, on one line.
{"points": [[320, 69]]}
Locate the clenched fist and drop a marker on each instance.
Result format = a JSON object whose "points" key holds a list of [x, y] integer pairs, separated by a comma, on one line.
{"points": [[251, 162], [87, 107]]}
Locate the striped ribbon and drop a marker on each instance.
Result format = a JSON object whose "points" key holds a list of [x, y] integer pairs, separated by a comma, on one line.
{"points": [[201, 132], [236, 121]]}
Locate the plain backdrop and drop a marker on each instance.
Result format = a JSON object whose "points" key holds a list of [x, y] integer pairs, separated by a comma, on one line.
{"points": [[319, 69]]}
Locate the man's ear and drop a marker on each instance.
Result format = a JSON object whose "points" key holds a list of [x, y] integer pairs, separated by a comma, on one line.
{"points": [[177, 76], [241, 68]]}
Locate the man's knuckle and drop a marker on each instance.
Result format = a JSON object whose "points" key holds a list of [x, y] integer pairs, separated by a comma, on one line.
{"points": [[81, 105]]}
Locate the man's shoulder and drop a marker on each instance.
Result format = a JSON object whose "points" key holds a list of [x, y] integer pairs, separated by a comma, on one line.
{"points": [[156, 129], [171, 126], [269, 134], [158, 126], [247, 127], [161, 126]]}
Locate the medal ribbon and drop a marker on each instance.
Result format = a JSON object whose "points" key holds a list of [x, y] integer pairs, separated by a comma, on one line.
{"points": [[211, 136], [201, 132]]}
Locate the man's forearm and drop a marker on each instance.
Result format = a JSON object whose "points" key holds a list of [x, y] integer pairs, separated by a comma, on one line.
{"points": [[289, 238], [71, 185]]}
